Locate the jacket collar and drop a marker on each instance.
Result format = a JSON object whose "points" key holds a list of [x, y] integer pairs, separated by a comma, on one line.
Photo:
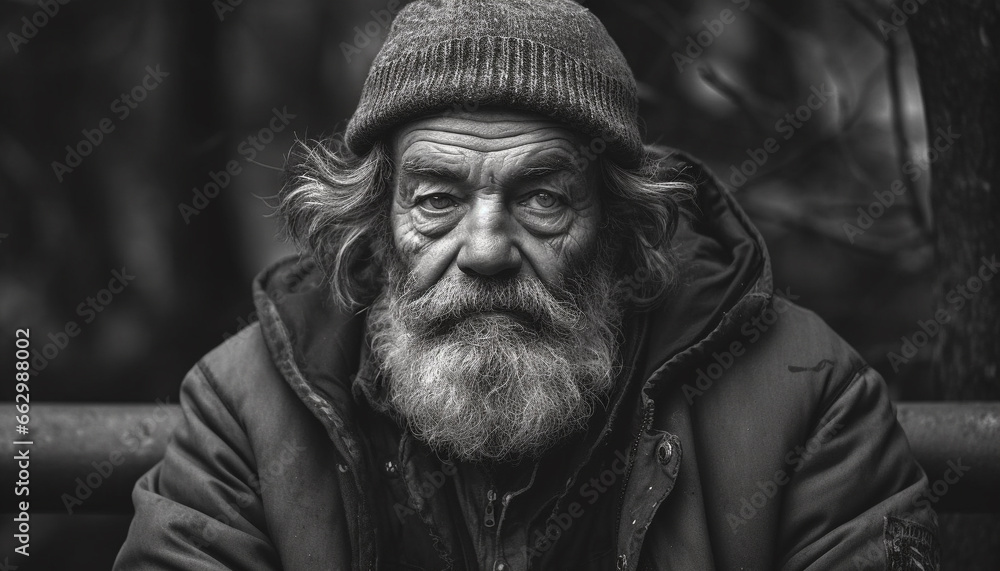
{"points": [[313, 345]]}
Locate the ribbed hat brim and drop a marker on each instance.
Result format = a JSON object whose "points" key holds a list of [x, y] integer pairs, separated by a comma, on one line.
{"points": [[489, 71]]}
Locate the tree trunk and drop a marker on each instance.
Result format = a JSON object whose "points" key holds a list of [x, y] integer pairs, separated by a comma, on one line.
{"points": [[955, 42], [956, 48]]}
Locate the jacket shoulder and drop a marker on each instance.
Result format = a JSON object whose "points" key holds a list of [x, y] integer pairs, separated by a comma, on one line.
{"points": [[782, 364], [246, 379], [241, 366], [800, 344]]}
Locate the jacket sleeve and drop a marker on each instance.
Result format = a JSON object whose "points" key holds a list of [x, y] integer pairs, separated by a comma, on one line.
{"points": [[198, 508], [860, 501]]}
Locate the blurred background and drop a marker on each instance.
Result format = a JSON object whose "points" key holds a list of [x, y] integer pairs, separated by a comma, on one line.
{"points": [[140, 142]]}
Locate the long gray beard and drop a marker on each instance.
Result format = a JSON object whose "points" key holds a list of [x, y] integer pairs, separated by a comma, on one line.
{"points": [[502, 386]]}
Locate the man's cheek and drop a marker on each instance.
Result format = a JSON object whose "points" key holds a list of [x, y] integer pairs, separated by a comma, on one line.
{"points": [[562, 254], [546, 259], [426, 259], [408, 239], [414, 240]]}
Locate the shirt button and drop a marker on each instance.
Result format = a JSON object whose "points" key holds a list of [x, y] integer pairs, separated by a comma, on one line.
{"points": [[390, 468], [500, 566]]}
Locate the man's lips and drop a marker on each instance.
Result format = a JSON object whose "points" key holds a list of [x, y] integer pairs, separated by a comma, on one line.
{"points": [[450, 321], [517, 314]]}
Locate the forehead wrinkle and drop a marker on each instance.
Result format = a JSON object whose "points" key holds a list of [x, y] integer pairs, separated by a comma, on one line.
{"points": [[490, 125], [516, 129], [486, 137], [506, 152], [436, 160]]}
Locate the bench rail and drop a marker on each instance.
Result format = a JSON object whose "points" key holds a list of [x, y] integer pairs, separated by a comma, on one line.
{"points": [[87, 457]]}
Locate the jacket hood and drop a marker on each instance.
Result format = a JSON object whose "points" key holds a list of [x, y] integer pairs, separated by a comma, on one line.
{"points": [[724, 275]]}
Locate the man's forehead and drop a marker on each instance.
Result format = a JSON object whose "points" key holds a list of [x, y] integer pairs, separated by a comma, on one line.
{"points": [[484, 131]]}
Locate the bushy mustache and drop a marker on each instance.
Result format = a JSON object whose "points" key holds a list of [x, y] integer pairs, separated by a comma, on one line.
{"points": [[535, 307]]}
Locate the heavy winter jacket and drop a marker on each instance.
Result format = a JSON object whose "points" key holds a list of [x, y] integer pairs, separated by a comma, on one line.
{"points": [[744, 434]]}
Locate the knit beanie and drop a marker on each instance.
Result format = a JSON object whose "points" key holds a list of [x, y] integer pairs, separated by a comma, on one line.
{"points": [[552, 57]]}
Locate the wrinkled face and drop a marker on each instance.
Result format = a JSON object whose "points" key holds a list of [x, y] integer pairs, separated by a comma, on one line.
{"points": [[492, 194], [497, 329]]}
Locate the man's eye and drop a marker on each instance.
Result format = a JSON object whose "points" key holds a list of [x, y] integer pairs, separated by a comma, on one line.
{"points": [[543, 200], [438, 202]]}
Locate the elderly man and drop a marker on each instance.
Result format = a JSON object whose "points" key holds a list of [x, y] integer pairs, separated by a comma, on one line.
{"points": [[520, 339]]}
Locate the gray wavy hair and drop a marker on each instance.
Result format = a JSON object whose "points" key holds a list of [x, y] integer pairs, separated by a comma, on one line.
{"points": [[335, 206]]}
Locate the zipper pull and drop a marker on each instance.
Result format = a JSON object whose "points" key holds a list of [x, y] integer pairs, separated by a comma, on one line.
{"points": [[491, 496]]}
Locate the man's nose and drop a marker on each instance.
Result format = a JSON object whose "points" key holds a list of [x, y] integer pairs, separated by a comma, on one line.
{"points": [[488, 248]]}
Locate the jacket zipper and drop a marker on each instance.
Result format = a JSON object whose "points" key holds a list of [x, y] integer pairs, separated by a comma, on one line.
{"points": [[646, 421]]}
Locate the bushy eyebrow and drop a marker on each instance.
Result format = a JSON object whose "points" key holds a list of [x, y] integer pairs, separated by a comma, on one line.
{"points": [[423, 168], [532, 169], [544, 167]]}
